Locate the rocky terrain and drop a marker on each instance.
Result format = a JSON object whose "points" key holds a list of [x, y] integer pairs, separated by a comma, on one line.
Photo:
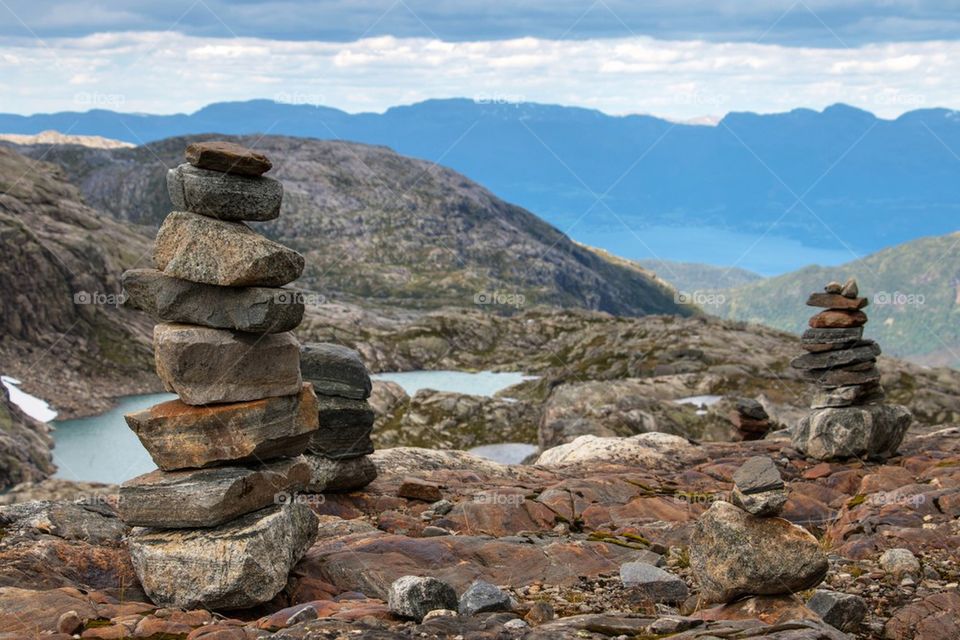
{"points": [[24, 445], [565, 542], [377, 226], [62, 330]]}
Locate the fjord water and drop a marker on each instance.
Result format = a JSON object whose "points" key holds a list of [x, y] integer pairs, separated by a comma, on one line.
{"points": [[103, 449]]}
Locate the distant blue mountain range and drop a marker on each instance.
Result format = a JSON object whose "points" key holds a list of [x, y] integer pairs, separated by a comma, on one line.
{"points": [[769, 192]]}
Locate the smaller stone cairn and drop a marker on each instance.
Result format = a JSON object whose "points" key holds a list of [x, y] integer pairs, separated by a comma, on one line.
{"points": [[217, 525], [750, 419], [848, 417], [743, 548]]}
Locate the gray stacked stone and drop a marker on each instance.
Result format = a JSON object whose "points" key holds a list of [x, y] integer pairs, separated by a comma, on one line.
{"points": [[219, 525], [339, 449], [848, 417]]}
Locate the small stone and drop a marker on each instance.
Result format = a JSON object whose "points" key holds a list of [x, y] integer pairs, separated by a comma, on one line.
{"points": [[837, 338], [222, 195], [670, 625], [305, 614], [345, 428], [483, 597], [516, 624], [206, 366], [834, 301], [900, 562], [868, 431], [850, 289], [833, 287], [240, 564], [750, 408], [865, 352], [180, 436], [251, 309], [764, 504], [339, 475], [439, 613], [335, 370], [840, 610], [539, 613], [431, 531], [832, 318], [652, 583], [208, 497], [414, 596], [441, 507], [848, 396], [69, 622], [227, 157], [203, 249], [757, 475], [416, 489], [734, 554]]}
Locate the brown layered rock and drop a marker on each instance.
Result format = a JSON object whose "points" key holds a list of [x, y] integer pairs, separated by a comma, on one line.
{"points": [[209, 497], [227, 157], [204, 366], [180, 436], [198, 248], [836, 301], [240, 564], [838, 319], [250, 309]]}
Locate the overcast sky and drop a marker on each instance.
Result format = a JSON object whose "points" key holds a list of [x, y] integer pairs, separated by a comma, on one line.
{"points": [[670, 58]]}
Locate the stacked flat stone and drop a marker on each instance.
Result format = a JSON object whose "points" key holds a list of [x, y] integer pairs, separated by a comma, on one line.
{"points": [[750, 419], [849, 417], [339, 450], [216, 525]]}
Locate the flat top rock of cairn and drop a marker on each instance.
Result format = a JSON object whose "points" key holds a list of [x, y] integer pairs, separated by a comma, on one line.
{"points": [[227, 157], [848, 417], [758, 487]]}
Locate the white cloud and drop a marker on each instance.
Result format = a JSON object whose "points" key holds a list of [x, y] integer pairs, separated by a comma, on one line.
{"points": [[171, 72]]}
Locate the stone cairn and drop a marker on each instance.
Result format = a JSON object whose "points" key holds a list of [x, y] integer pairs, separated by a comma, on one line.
{"points": [[743, 548], [848, 417], [218, 524]]}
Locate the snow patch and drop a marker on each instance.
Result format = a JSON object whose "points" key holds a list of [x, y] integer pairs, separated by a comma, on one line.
{"points": [[31, 405]]}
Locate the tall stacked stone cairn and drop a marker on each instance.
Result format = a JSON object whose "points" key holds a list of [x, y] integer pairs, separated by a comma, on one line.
{"points": [[218, 525], [848, 417]]}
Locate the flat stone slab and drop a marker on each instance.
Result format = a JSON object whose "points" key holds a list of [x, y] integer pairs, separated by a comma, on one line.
{"points": [[227, 157], [335, 370], [198, 248], [205, 366], [328, 475], [858, 374], [345, 427], [868, 431], [864, 352], [251, 309], [838, 337], [833, 318], [848, 396], [758, 474], [180, 436], [223, 195], [209, 497], [836, 301], [240, 564]]}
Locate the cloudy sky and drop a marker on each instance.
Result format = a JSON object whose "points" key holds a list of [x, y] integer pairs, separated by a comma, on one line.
{"points": [[680, 59]]}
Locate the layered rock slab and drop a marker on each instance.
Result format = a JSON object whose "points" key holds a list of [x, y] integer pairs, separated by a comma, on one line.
{"points": [[339, 475], [735, 554], [239, 564], [344, 428], [209, 497], [198, 248], [335, 370], [227, 157], [222, 195], [180, 436], [249, 309], [204, 366]]}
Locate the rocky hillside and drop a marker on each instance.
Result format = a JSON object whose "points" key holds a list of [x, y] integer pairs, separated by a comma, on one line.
{"points": [[61, 331], [378, 226], [24, 445], [914, 292], [690, 277]]}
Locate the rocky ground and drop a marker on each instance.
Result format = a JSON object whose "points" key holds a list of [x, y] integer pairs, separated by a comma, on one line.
{"points": [[554, 536]]}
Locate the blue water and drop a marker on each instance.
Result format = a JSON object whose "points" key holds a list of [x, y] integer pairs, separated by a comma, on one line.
{"points": [[103, 449], [482, 383]]}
